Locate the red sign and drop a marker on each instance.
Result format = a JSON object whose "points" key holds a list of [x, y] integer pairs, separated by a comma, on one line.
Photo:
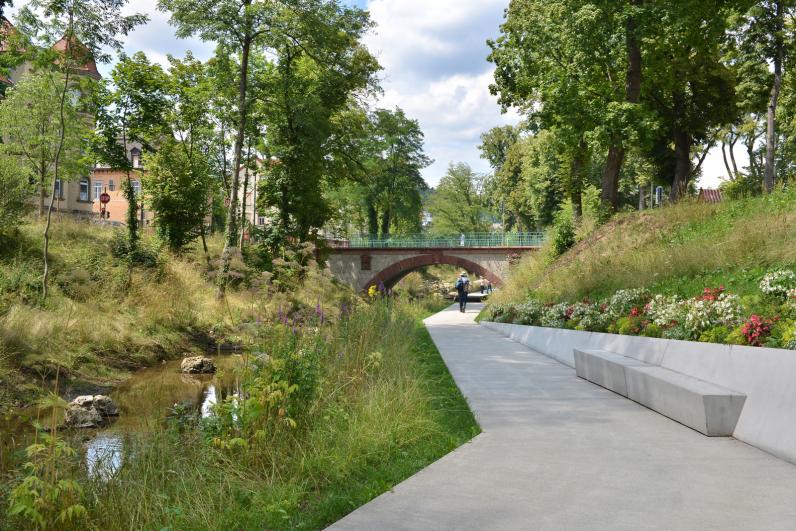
{"points": [[105, 198]]}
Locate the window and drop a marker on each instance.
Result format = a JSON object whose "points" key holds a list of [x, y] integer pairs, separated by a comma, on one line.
{"points": [[261, 220], [97, 189], [111, 186], [364, 262], [84, 185], [135, 157], [136, 187], [59, 193]]}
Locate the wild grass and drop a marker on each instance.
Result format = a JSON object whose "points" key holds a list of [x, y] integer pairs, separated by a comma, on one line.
{"points": [[103, 319], [675, 250], [382, 407]]}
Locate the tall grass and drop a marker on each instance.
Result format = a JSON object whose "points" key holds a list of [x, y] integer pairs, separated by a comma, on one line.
{"points": [[730, 243], [381, 406], [102, 320]]}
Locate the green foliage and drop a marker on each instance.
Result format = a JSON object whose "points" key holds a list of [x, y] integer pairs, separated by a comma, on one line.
{"points": [[458, 205], [563, 232], [177, 187], [46, 497], [30, 120], [717, 334], [15, 190]]}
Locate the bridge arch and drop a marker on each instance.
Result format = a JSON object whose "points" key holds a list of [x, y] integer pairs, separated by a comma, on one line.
{"points": [[392, 274]]}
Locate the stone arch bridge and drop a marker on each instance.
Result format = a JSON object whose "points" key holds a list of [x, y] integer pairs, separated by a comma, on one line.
{"points": [[365, 262]]}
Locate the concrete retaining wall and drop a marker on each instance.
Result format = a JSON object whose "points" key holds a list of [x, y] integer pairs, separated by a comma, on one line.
{"points": [[766, 376]]}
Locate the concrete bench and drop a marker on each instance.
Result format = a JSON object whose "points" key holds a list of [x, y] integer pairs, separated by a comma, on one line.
{"points": [[708, 408]]}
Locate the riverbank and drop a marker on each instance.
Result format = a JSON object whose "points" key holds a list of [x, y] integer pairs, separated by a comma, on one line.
{"points": [[106, 318], [369, 403]]}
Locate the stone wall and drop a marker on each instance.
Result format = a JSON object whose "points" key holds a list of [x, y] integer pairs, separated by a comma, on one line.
{"points": [[360, 267], [766, 376]]}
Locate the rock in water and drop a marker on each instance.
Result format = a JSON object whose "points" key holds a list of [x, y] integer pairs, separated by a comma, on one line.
{"points": [[90, 412], [198, 365]]}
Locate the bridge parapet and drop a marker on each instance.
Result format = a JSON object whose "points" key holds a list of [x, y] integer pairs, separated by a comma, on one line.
{"points": [[517, 240]]}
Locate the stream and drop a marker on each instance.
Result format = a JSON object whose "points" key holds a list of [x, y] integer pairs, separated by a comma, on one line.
{"points": [[144, 401]]}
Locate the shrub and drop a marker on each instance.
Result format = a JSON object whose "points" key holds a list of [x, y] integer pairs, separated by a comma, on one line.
{"points": [[624, 300], [563, 232], [590, 317], [756, 330], [778, 283], [555, 316], [528, 313], [652, 330], [14, 191], [717, 334]]}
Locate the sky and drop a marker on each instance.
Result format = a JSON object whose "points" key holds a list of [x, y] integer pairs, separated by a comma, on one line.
{"points": [[433, 54]]}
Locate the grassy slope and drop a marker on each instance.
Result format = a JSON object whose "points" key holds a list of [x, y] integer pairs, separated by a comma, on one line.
{"points": [[101, 322], [676, 250], [370, 428]]}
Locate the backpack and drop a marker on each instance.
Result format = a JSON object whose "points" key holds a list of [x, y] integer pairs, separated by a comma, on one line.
{"points": [[461, 284]]}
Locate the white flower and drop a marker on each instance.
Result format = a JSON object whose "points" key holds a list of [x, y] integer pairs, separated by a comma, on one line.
{"points": [[624, 300], [665, 310], [778, 283]]}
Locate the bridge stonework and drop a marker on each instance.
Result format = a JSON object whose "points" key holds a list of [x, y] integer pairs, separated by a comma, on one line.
{"points": [[362, 268]]}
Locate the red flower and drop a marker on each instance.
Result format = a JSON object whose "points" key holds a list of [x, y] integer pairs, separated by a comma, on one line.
{"points": [[756, 329], [635, 312]]}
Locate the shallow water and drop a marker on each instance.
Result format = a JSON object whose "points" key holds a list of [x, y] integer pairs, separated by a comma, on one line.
{"points": [[144, 402]]}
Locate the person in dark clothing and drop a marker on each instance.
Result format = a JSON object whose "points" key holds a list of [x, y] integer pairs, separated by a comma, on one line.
{"points": [[462, 289]]}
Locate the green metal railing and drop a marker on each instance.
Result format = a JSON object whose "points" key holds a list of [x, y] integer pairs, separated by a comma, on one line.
{"points": [[483, 239]]}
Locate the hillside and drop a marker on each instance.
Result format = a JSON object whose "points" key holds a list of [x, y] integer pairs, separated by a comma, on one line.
{"points": [[105, 319], [686, 253]]}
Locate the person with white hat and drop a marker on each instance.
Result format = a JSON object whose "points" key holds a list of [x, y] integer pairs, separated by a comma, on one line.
{"points": [[463, 288]]}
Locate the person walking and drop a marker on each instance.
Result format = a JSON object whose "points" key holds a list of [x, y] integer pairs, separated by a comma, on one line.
{"points": [[463, 288]]}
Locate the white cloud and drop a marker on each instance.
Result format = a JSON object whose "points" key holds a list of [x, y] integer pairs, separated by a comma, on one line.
{"points": [[434, 56]]}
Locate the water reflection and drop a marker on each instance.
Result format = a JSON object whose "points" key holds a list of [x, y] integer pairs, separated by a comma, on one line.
{"points": [[104, 455], [144, 402]]}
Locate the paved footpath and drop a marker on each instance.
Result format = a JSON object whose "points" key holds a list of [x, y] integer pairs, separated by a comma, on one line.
{"points": [[558, 452]]}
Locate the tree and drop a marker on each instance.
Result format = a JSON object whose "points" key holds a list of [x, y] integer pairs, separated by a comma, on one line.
{"points": [[236, 26], [178, 183], [320, 66], [457, 204], [131, 110], [15, 190], [561, 64], [177, 188], [763, 34], [688, 86], [85, 28], [33, 135]]}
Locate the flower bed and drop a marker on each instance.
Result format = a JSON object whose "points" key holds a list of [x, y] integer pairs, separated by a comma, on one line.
{"points": [[715, 316]]}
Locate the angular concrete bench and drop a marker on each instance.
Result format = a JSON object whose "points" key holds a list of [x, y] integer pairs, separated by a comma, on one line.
{"points": [[708, 408]]}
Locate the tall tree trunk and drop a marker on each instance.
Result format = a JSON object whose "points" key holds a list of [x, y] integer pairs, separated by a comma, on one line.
{"points": [[610, 179], [231, 239], [576, 178], [733, 141], [385, 223], [57, 162], [641, 199], [726, 163], [771, 128], [245, 193], [682, 171], [616, 153], [373, 221]]}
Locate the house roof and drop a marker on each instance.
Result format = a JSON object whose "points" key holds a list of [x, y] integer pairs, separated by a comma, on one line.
{"points": [[707, 195], [89, 67]]}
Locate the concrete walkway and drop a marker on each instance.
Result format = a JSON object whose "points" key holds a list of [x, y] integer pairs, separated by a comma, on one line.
{"points": [[558, 452]]}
